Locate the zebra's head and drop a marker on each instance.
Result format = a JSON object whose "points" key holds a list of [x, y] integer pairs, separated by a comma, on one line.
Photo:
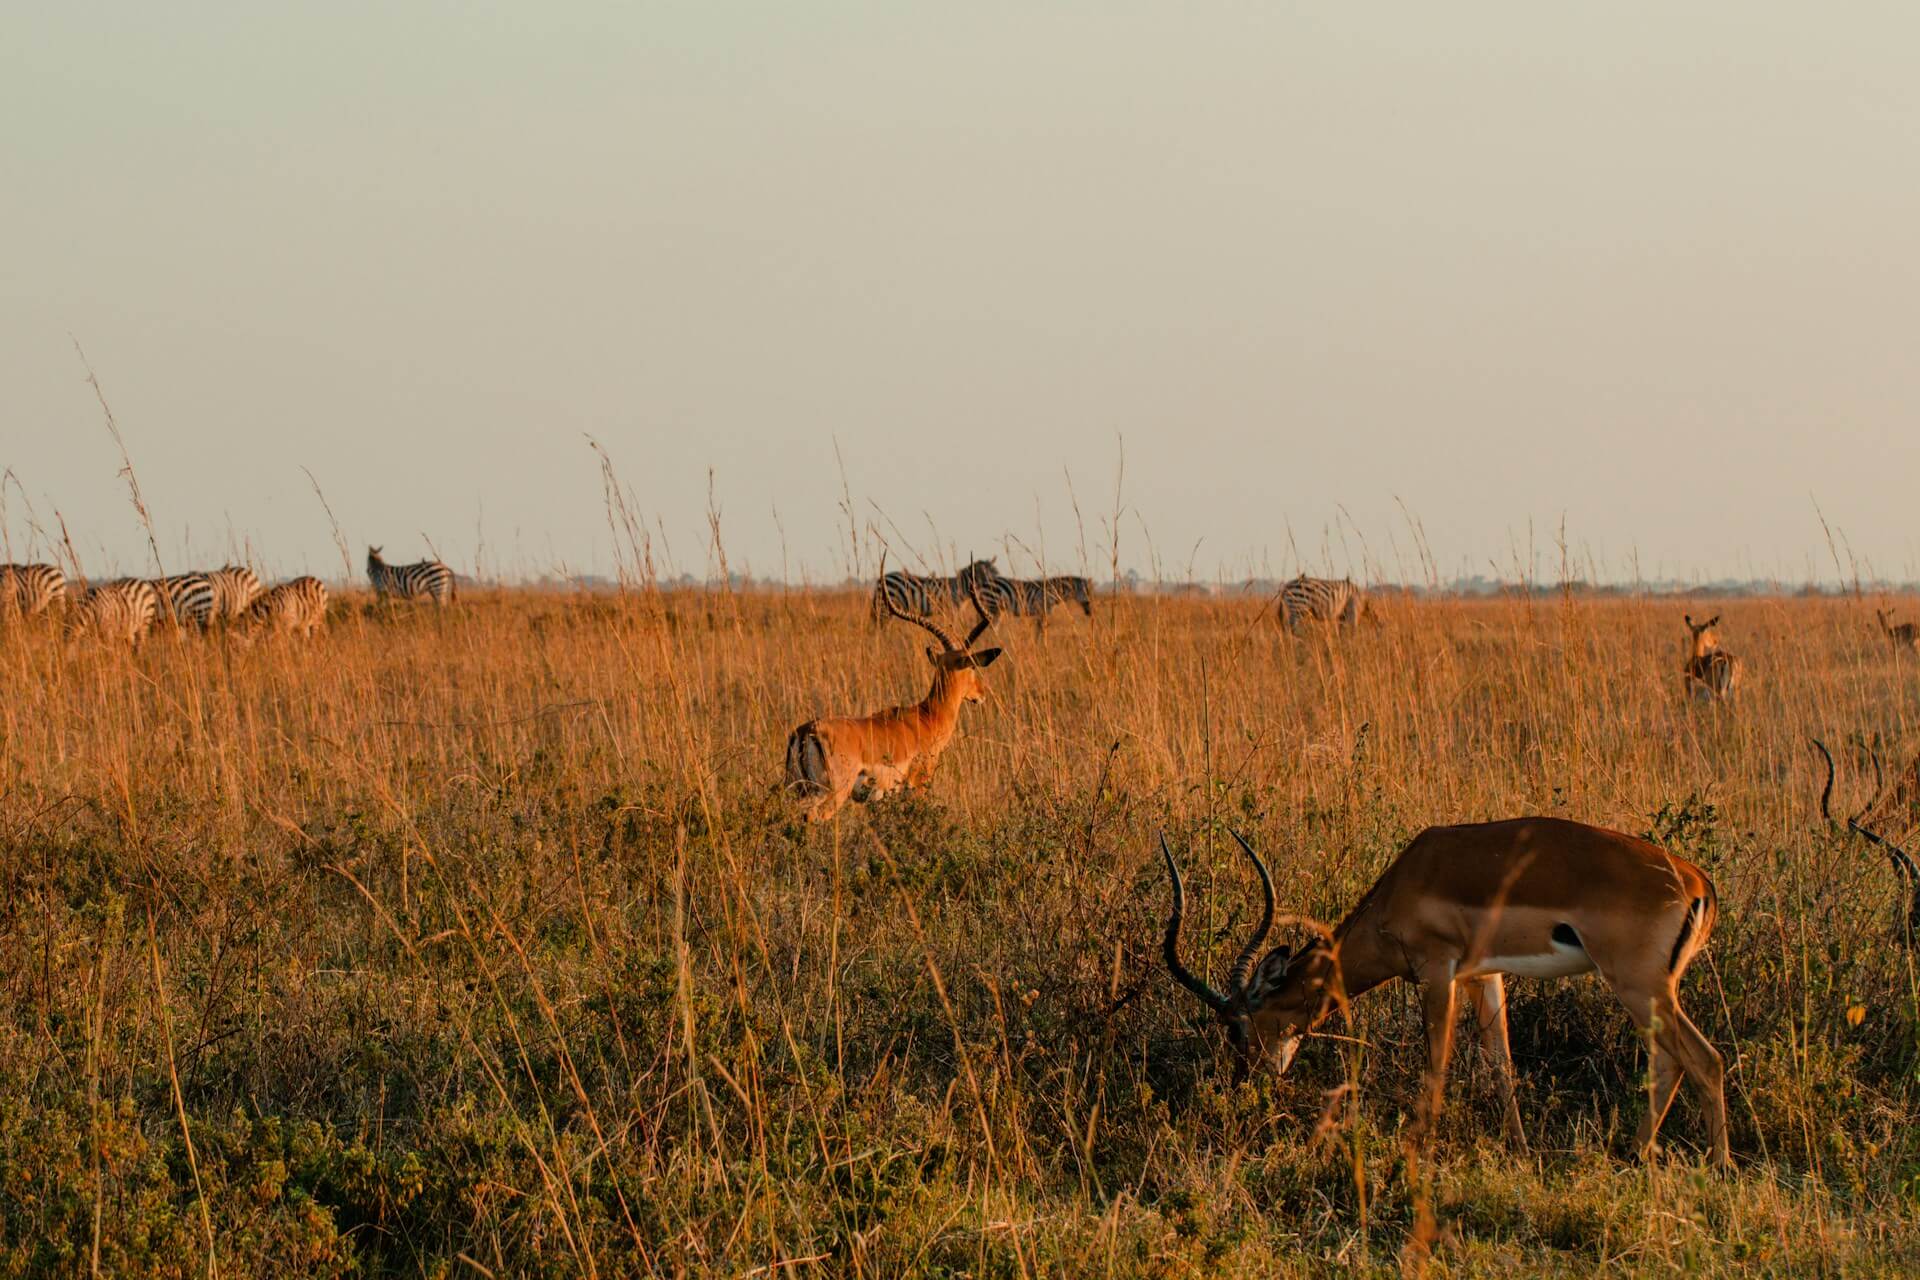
{"points": [[978, 571], [373, 555]]}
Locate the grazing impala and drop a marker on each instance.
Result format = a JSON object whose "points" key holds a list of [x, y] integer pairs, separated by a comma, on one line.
{"points": [[1903, 863], [1462, 907], [1712, 672], [1904, 635], [832, 761]]}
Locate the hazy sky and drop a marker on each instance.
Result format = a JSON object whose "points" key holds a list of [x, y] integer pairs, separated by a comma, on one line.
{"points": [[1652, 269]]}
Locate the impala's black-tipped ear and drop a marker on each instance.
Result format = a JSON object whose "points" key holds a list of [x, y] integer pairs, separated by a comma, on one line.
{"points": [[935, 656], [1688, 619], [986, 657]]}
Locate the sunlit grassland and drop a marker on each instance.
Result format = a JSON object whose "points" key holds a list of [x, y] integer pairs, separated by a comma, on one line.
{"points": [[481, 940]]}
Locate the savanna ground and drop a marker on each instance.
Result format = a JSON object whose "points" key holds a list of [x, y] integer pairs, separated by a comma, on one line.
{"points": [[480, 942]]}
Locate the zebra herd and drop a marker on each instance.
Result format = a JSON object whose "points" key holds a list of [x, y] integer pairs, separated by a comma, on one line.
{"points": [[1301, 601], [126, 609], [1021, 597]]}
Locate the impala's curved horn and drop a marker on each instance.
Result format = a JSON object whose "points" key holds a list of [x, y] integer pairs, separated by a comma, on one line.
{"points": [[1243, 964], [1826, 792], [1903, 862], [1171, 947], [985, 618], [894, 610]]}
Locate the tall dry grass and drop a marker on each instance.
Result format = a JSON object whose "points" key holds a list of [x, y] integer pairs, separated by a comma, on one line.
{"points": [[479, 941]]}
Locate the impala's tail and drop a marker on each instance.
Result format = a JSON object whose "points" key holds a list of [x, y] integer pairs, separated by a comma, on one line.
{"points": [[1694, 930], [806, 762]]}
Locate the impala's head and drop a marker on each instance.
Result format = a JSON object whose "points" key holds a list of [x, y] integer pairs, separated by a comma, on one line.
{"points": [[957, 667], [1704, 638], [373, 555], [1267, 1008]]}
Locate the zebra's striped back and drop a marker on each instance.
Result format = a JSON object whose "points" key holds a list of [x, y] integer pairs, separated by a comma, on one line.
{"points": [[1040, 595], [1320, 600], [29, 589], [187, 598], [119, 611], [234, 588], [921, 594], [298, 606], [908, 592], [1035, 597], [421, 580]]}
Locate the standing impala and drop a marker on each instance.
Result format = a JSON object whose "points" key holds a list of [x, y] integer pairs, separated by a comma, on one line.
{"points": [[1712, 672], [1463, 907], [832, 761], [1903, 864], [1905, 636]]}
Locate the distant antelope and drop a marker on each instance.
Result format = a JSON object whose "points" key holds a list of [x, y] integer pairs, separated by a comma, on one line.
{"points": [[120, 611], [29, 589], [832, 761], [1905, 635], [297, 607], [1711, 672], [1460, 907], [1903, 863], [1325, 600], [424, 579]]}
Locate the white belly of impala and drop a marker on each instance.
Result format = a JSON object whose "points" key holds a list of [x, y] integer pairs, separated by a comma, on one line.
{"points": [[1559, 961]]}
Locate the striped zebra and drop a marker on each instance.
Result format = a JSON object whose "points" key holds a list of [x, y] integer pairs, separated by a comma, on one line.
{"points": [[422, 579], [1323, 600], [186, 598], [1035, 597], [920, 594], [119, 611], [297, 607], [234, 588], [30, 589]]}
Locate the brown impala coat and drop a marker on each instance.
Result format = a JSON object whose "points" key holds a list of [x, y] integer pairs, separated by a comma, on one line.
{"points": [[1531, 897], [1712, 672], [1904, 635], [832, 761]]}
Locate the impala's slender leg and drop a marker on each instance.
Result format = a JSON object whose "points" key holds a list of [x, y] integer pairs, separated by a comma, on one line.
{"points": [[832, 802], [1655, 1024], [1677, 1049], [1437, 1000], [1490, 1010], [1701, 1061]]}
